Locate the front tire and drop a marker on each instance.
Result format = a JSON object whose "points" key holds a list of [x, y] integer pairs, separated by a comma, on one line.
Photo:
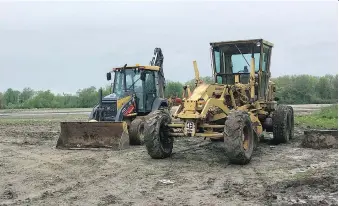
{"points": [[239, 137], [158, 143], [136, 132], [281, 118]]}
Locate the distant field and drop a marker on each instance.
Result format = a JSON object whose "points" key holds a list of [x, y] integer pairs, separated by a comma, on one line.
{"points": [[45, 110], [325, 118], [302, 108]]}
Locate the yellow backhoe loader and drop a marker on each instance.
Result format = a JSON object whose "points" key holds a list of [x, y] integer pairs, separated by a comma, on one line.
{"points": [[117, 121], [235, 109]]}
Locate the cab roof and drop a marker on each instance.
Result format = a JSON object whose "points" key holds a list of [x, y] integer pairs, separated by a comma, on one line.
{"points": [[137, 66], [221, 43]]}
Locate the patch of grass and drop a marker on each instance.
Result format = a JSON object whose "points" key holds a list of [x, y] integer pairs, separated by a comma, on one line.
{"points": [[326, 118]]}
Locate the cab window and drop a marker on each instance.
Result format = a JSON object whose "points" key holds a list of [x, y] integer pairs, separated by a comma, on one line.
{"points": [[239, 62], [217, 61]]}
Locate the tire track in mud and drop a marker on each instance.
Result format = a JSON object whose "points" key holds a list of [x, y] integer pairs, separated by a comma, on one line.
{"points": [[203, 184], [59, 191], [81, 182]]}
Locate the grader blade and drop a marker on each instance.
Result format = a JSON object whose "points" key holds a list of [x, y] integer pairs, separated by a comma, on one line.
{"points": [[80, 135]]}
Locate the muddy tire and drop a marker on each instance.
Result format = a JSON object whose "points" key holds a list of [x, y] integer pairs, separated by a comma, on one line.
{"points": [[158, 143], [239, 137], [216, 140], [165, 109], [136, 132], [281, 124]]}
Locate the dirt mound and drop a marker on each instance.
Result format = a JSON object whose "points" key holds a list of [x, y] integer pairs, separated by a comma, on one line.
{"points": [[320, 139]]}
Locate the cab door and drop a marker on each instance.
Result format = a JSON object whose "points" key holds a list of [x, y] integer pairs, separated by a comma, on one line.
{"points": [[150, 90], [134, 80], [265, 72]]}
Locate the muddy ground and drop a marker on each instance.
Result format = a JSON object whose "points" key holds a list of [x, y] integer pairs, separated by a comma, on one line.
{"points": [[33, 172]]}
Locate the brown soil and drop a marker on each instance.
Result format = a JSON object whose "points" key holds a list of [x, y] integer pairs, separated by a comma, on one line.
{"points": [[320, 139], [33, 172]]}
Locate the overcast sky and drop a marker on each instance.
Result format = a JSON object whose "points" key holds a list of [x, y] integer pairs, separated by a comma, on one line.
{"points": [[66, 46]]}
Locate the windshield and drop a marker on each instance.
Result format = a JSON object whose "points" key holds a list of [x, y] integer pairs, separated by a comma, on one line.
{"points": [[240, 65], [131, 78]]}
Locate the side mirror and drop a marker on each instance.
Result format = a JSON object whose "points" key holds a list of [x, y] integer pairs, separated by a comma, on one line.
{"points": [[143, 76], [108, 76]]}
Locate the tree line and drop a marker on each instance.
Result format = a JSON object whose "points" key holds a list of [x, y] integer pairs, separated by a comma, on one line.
{"points": [[291, 89]]}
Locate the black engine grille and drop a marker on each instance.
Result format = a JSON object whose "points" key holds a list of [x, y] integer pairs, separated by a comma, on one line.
{"points": [[109, 109]]}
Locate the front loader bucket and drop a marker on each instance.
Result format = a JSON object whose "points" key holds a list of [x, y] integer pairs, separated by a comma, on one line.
{"points": [[77, 135]]}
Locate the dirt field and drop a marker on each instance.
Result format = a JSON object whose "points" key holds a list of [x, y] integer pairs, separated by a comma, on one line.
{"points": [[33, 172]]}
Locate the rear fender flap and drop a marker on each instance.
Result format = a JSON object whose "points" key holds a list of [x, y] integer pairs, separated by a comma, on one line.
{"points": [[159, 102]]}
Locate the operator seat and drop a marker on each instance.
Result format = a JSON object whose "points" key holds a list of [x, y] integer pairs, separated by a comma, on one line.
{"points": [[245, 76]]}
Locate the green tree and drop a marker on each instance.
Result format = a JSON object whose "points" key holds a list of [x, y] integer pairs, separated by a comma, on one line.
{"points": [[306, 89], [42, 99], [296, 89], [334, 85], [106, 90], [1, 101], [323, 88], [88, 97], [11, 97], [206, 80], [66, 100], [26, 94], [173, 89], [70, 101]]}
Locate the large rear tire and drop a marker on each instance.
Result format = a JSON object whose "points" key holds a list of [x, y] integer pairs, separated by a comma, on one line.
{"points": [[158, 143], [136, 132], [281, 118], [239, 137]]}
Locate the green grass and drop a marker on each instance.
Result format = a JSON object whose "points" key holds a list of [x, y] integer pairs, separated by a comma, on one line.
{"points": [[326, 118]]}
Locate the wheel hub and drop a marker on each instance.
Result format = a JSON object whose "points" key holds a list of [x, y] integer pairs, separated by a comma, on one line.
{"points": [[141, 133], [245, 139]]}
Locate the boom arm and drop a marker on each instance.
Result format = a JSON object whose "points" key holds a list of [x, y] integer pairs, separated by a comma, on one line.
{"points": [[157, 60], [198, 81]]}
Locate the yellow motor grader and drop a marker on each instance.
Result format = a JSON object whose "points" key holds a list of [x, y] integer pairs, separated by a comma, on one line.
{"points": [[117, 121], [236, 109]]}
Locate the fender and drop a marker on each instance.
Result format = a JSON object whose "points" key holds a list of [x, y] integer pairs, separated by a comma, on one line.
{"points": [[91, 115], [158, 102], [120, 114]]}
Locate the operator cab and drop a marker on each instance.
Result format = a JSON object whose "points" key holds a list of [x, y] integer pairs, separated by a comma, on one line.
{"points": [[136, 80], [231, 62]]}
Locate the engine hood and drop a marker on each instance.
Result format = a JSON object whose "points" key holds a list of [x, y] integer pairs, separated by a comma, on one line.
{"points": [[110, 97], [115, 97]]}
